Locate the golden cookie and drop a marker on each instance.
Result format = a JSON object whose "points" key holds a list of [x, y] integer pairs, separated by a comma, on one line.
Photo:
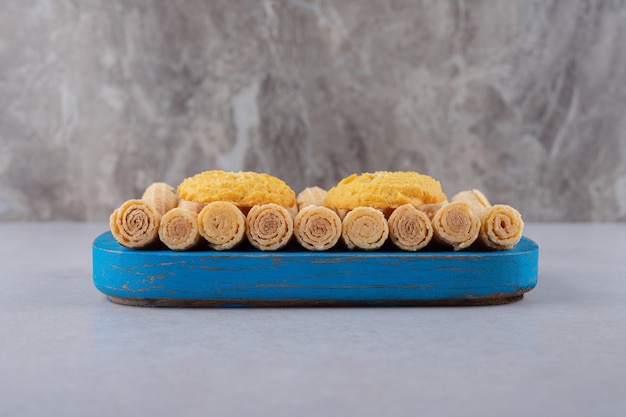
{"points": [[244, 189], [384, 190]]}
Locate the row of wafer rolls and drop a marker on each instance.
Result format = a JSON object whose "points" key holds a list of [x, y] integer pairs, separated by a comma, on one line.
{"points": [[363, 212], [455, 224], [224, 226], [320, 228], [417, 211], [137, 224], [224, 216], [179, 224], [501, 226]]}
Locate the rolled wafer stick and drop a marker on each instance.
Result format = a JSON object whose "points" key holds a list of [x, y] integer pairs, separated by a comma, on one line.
{"points": [[269, 227], [501, 225], [364, 228], [431, 209], [341, 213], [135, 224], [161, 196], [409, 228], [192, 206], [317, 228], [311, 196], [476, 199], [179, 229], [456, 224], [293, 211], [222, 224]]}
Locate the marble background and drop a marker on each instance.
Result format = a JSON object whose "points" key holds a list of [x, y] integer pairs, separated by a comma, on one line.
{"points": [[524, 99]]}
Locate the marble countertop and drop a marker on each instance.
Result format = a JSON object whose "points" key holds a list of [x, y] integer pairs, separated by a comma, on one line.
{"points": [[65, 350]]}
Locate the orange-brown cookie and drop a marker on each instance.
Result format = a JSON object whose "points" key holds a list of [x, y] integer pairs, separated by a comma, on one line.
{"points": [[244, 189], [384, 190]]}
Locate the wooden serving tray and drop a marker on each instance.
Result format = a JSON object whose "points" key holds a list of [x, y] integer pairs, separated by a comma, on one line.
{"points": [[251, 278]]}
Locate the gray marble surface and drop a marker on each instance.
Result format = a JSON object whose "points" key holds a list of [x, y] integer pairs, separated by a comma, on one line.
{"points": [[67, 351], [524, 99]]}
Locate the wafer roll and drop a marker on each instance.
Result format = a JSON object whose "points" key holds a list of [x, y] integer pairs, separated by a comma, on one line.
{"points": [[317, 228], [341, 213], [293, 210], [135, 224], [311, 196], [456, 225], [501, 225], [431, 209], [161, 196], [409, 228], [179, 229], [476, 199], [364, 228], [222, 224], [192, 206], [269, 227]]}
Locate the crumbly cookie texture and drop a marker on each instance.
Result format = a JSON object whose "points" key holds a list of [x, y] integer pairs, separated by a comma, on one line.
{"points": [[244, 189], [383, 190]]}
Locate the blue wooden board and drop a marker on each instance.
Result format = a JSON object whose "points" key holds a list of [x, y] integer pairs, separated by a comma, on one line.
{"points": [[207, 278]]}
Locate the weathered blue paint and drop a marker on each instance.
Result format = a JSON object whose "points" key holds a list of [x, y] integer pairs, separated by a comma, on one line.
{"points": [[240, 278]]}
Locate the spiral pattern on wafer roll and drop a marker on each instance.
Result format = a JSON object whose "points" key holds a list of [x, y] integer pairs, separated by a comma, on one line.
{"points": [[502, 227], [269, 227], [179, 229], [456, 225], [317, 228], [409, 228], [222, 224], [135, 224], [364, 228]]}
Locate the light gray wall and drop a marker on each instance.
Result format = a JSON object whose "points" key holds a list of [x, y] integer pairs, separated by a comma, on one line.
{"points": [[524, 99]]}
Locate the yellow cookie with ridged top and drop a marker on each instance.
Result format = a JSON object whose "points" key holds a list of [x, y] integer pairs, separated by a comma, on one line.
{"points": [[244, 189], [383, 189]]}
